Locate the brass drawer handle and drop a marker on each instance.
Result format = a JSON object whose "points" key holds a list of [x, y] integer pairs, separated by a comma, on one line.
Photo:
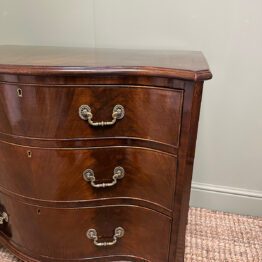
{"points": [[3, 218], [86, 114], [92, 234], [89, 176]]}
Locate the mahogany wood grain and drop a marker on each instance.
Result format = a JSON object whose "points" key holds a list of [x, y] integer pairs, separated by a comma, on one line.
{"points": [[53, 112], [88, 143], [191, 110], [50, 206], [57, 174], [96, 79], [52, 60], [30, 229]]}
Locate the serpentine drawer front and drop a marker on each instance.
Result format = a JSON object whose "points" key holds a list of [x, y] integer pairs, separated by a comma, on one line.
{"points": [[122, 173], [69, 238], [60, 112], [97, 149]]}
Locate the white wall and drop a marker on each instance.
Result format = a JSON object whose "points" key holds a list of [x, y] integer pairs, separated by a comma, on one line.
{"points": [[228, 166]]}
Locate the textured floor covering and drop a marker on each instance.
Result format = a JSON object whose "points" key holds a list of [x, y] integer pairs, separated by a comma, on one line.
{"points": [[217, 236], [213, 236]]}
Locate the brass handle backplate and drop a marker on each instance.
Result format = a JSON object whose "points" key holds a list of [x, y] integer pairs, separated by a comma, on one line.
{"points": [[89, 176], [92, 234], [3, 218], [86, 114]]}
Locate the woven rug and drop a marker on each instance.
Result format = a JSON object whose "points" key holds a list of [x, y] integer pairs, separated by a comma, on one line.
{"points": [[213, 236]]}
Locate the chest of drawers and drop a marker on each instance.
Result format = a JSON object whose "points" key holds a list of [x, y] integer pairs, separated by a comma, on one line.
{"points": [[97, 149]]}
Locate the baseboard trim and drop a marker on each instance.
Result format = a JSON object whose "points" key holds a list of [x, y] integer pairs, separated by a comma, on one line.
{"points": [[228, 199]]}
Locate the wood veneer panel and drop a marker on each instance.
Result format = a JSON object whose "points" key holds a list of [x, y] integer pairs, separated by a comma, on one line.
{"points": [[60, 234], [57, 174], [53, 60], [53, 112]]}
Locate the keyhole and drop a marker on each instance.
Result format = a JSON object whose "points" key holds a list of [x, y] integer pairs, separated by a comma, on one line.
{"points": [[29, 153], [19, 92]]}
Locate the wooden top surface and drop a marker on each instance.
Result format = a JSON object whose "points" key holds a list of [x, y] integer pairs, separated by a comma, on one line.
{"points": [[33, 60]]}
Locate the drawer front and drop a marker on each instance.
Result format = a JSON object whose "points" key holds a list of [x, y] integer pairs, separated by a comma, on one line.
{"points": [[63, 233], [150, 113], [62, 174]]}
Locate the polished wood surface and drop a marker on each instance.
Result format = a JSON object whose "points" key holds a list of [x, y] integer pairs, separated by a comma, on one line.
{"points": [[52, 60], [191, 110], [53, 112], [96, 79], [68, 240], [59, 180], [45, 147]]}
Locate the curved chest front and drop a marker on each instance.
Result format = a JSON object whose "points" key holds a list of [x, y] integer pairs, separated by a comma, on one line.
{"points": [[96, 167]]}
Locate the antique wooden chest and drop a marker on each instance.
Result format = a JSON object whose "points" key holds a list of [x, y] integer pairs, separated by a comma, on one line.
{"points": [[96, 152]]}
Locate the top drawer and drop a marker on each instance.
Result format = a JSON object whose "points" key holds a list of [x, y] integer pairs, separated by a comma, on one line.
{"points": [[52, 112]]}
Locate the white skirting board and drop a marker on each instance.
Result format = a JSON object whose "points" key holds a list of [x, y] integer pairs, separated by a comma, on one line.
{"points": [[227, 199]]}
